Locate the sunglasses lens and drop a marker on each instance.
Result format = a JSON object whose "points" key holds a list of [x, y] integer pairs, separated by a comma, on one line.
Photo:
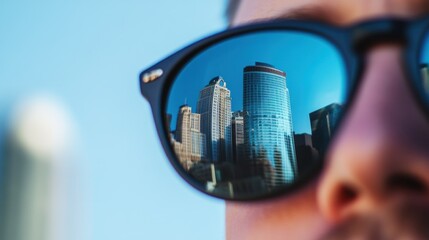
{"points": [[424, 67], [253, 115]]}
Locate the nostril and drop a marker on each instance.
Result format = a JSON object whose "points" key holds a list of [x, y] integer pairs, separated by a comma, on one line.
{"points": [[405, 182], [346, 195]]}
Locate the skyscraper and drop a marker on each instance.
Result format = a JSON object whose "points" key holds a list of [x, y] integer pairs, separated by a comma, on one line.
{"points": [[39, 196], [238, 136], [214, 106], [268, 121], [192, 141], [323, 121]]}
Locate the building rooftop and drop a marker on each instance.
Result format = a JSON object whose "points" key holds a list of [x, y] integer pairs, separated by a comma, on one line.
{"points": [[264, 67], [264, 64], [217, 80]]}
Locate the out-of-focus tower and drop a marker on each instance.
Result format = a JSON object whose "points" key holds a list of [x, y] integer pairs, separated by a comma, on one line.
{"points": [[268, 121], [38, 198], [424, 70], [214, 106]]}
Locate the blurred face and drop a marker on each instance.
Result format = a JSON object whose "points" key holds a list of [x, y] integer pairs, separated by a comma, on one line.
{"points": [[376, 181]]}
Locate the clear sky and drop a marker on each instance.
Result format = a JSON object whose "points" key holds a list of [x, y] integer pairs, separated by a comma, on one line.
{"points": [[89, 54]]}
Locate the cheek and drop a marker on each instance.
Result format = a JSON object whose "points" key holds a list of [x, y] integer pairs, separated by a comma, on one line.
{"points": [[291, 217]]}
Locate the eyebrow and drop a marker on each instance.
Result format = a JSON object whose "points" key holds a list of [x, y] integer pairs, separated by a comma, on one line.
{"points": [[311, 13]]}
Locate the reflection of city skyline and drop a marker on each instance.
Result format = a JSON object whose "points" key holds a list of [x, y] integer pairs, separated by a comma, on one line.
{"points": [[253, 147]]}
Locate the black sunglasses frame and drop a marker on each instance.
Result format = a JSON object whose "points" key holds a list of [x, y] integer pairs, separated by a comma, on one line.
{"points": [[351, 42]]}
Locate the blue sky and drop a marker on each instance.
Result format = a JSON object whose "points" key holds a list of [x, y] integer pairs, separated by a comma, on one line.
{"points": [[89, 54]]}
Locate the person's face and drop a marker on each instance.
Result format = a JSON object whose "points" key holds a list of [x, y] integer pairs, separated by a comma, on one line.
{"points": [[377, 174]]}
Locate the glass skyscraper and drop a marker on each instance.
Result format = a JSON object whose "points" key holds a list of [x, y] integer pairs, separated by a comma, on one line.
{"points": [[214, 106], [268, 121]]}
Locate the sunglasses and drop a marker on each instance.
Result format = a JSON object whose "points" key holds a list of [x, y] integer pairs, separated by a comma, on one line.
{"points": [[250, 112]]}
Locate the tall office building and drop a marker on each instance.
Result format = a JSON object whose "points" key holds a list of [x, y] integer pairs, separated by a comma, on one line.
{"points": [[323, 122], [214, 106], [192, 141], [268, 121], [238, 136]]}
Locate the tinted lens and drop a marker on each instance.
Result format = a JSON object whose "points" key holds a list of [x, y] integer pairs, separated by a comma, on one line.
{"points": [[424, 67], [254, 114]]}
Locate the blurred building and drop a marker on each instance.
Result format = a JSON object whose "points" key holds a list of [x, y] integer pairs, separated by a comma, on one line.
{"points": [[323, 122], [214, 106], [38, 191], [303, 139], [268, 121], [306, 154], [424, 70]]}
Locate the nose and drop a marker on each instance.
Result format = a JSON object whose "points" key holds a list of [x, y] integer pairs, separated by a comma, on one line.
{"points": [[381, 151]]}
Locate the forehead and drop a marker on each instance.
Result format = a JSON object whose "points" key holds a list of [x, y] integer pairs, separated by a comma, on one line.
{"points": [[339, 12]]}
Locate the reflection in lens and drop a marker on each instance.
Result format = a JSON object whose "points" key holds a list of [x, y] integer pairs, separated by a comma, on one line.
{"points": [[424, 70], [424, 67], [242, 128]]}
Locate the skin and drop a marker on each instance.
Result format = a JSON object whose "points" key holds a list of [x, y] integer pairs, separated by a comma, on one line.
{"points": [[379, 158]]}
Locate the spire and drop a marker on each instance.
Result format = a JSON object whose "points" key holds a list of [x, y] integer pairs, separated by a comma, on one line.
{"points": [[217, 80]]}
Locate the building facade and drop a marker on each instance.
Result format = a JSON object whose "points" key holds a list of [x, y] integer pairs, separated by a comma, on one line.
{"points": [[192, 142], [214, 106], [424, 70], [268, 121]]}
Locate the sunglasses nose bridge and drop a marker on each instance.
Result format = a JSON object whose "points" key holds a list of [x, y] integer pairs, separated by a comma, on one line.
{"points": [[368, 34]]}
